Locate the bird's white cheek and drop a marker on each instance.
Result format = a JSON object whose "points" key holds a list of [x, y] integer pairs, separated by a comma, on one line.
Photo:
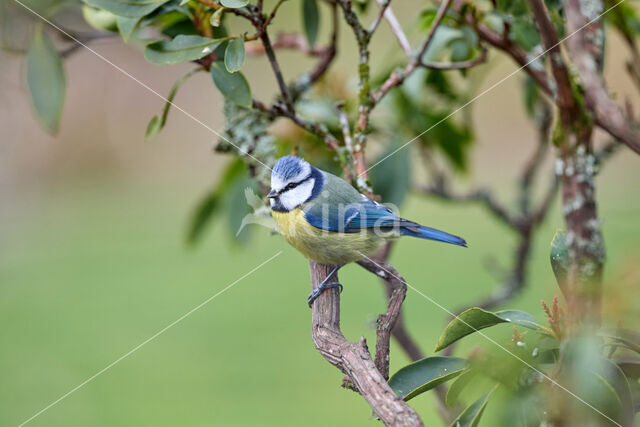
{"points": [[293, 198], [272, 202]]}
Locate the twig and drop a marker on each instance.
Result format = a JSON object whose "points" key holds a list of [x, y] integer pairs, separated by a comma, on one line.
{"points": [[461, 65], [545, 121], [294, 41], [386, 321], [384, 4], [397, 31], [480, 195], [538, 74], [364, 94], [329, 54], [397, 77], [353, 358], [275, 66], [344, 124], [551, 43]]}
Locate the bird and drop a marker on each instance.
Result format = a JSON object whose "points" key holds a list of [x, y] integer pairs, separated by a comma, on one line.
{"points": [[330, 222]]}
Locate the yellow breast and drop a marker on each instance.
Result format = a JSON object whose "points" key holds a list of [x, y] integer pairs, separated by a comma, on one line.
{"points": [[322, 246]]}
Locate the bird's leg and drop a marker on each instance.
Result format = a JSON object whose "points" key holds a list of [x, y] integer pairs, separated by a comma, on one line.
{"points": [[323, 286]]}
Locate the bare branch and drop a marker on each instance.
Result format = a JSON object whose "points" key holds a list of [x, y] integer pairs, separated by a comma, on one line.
{"points": [[352, 358], [551, 43], [461, 65], [294, 41], [284, 90], [538, 74], [480, 195], [396, 29], [397, 77], [384, 4], [386, 321]]}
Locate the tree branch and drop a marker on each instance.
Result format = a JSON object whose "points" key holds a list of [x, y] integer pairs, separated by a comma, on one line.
{"points": [[461, 65], [538, 74], [284, 90], [396, 29], [386, 321], [397, 77], [352, 358], [583, 48], [565, 98]]}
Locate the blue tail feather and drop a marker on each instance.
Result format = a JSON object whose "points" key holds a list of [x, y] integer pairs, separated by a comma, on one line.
{"points": [[423, 232]]}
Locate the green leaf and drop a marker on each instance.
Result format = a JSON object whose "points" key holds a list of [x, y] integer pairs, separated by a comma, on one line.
{"points": [[46, 80], [458, 385], [470, 417], [212, 202], [234, 55], [126, 26], [216, 17], [129, 8], [525, 34], [237, 208], [425, 374], [157, 123], [181, 49], [513, 7], [474, 319], [153, 128], [311, 20], [559, 257], [442, 38], [234, 4], [233, 86], [99, 19]]}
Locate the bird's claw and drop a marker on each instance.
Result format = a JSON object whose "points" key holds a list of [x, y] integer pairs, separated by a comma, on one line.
{"points": [[320, 289]]}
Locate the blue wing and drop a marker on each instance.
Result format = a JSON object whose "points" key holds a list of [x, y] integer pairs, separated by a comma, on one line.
{"points": [[342, 209], [351, 218]]}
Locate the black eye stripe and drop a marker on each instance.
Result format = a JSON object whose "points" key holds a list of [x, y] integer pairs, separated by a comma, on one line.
{"points": [[292, 185]]}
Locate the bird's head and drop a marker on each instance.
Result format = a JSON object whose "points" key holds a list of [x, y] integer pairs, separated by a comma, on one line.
{"points": [[292, 183]]}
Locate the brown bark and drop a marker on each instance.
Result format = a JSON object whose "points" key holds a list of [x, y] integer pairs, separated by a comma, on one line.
{"points": [[576, 169], [353, 358]]}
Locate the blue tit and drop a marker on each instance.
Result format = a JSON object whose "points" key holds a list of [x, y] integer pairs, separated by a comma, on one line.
{"points": [[330, 222]]}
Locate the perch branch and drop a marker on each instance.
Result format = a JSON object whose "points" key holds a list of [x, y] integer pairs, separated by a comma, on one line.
{"points": [[353, 358], [386, 321]]}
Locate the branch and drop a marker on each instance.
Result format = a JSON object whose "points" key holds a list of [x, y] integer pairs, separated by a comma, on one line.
{"points": [[397, 291], [551, 44], [294, 41], [353, 358], [544, 121], [480, 195], [329, 54], [398, 77], [384, 4], [396, 29], [538, 74], [275, 66], [461, 65], [364, 94]]}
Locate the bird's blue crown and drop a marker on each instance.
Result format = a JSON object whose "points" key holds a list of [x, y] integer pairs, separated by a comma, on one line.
{"points": [[289, 167]]}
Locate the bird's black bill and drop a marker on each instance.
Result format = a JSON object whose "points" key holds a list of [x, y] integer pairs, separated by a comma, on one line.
{"points": [[272, 194]]}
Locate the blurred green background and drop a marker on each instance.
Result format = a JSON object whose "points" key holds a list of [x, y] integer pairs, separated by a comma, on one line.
{"points": [[93, 260]]}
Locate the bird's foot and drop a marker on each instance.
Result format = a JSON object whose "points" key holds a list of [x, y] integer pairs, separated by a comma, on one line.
{"points": [[320, 289]]}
